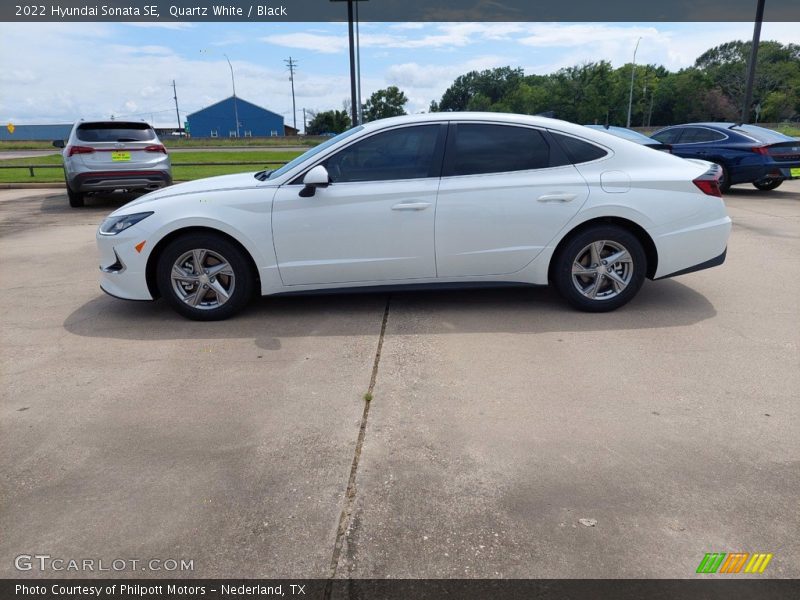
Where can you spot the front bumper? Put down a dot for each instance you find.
(123, 268)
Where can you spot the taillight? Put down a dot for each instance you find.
(156, 148)
(760, 150)
(708, 182)
(72, 150)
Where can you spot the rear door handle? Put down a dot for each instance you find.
(557, 197)
(411, 206)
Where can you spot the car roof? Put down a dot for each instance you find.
(623, 132)
(754, 132)
(493, 117)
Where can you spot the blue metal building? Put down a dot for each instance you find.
(36, 132)
(218, 120)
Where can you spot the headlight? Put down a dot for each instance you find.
(114, 225)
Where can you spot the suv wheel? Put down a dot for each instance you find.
(76, 199)
(600, 268)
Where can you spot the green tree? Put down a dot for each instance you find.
(385, 103)
(329, 121)
(493, 84)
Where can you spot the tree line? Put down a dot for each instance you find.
(712, 89)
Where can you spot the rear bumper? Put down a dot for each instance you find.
(93, 181)
(714, 262)
(692, 248)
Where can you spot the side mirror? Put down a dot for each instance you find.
(58, 143)
(315, 178)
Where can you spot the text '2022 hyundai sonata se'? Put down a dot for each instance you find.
(442, 198)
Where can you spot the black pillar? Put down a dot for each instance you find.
(751, 69)
(353, 96)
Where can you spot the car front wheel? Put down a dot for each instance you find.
(600, 268)
(768, 184)
(204, 277)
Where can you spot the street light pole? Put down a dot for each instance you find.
(235, 106)
(633, 72)
(751, 69)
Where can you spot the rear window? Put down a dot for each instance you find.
(115, 132)
(762, 134)
(579, 151)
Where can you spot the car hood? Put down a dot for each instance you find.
(237, 181)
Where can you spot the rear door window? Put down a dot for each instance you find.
(698, 135)
(480, 148)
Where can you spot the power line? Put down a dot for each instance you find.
(291, 64)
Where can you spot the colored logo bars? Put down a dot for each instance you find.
(720, 562)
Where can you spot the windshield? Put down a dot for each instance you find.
(313, 152)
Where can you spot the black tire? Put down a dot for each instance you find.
(239, 283)
(631, 268)
(724, 180)
(76, 199)
(765, 185)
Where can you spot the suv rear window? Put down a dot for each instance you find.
(115, 131)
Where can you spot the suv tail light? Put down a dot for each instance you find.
(763, 150)
(72, 150)
(156, 148)
(708, 182)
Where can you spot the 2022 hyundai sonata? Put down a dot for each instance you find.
(441, 198)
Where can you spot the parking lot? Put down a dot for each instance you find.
(508, 435)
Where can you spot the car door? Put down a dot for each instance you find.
(374, 222)
(506, 191)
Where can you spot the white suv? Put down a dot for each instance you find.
(103, 156)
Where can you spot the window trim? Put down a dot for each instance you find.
(438, 153)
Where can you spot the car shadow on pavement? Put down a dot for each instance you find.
(511, 310)
(748, 191)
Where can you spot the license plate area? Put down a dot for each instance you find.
(795, 172)
(120, 155)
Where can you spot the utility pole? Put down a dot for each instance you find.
(235, 106)
(292, 64)
(751, 68)
(358, 70)
(304, 120)
(177, 112)
(633, 72)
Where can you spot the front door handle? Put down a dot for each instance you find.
(411, 206)
(557, 197)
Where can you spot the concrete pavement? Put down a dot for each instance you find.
(500, 419)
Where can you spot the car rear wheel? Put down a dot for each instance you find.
(76, 199)
(768, 184)
(600, 268)
(205, 277)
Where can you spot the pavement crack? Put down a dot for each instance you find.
(350, 495)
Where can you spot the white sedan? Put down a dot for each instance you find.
(442, 198)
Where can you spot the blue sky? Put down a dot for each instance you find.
(58, 72)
